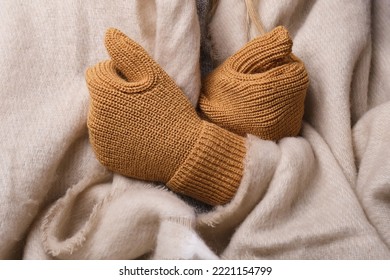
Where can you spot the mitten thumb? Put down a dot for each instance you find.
(129, 58)
(263, 53)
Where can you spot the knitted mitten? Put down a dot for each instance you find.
(141, 125)
(259, 90)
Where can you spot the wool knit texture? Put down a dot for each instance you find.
(324, 195)
(142, 125)
(259, 90)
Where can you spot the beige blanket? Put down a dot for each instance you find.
(324, 195)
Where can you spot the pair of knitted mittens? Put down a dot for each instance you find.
(141, 124)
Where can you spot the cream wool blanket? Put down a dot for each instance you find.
(324, 195)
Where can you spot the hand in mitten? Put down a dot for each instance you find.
(259, 90)
(141, 125)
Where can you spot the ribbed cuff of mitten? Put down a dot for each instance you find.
(213, 170)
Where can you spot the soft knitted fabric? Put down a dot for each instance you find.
(259, 90)
(297, 199)
(142, 126)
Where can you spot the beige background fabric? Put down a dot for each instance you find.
(324, 195)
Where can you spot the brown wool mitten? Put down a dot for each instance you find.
(259, 90)
(141, 125)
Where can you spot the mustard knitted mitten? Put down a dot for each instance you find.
(141, 125)
(259, 90)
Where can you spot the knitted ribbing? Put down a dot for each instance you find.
(259, 90)
(141, 125)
